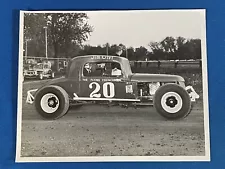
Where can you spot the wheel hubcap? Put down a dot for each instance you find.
(52, 102)
(171, 102)
(49, 103)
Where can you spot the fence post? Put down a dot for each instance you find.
(159, 64)
(175, 64)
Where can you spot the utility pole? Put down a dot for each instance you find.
(126, 53)
(26, 49)
(46, 42)
(107, 49)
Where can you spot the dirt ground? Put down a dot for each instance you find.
(114, 131)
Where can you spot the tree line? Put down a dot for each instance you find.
(169, 48)
(65, 34)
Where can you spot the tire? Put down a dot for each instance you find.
(172, 102)
(59, 104)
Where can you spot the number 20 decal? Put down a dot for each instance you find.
(106, 93)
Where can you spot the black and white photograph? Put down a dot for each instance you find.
(119, 85)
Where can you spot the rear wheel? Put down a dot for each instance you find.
(52, 102)
(172, 101)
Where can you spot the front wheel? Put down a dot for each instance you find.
(52, 102)
(172, 101)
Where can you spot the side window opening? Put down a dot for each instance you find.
(103, 69)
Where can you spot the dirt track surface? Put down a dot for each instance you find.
(114, 131)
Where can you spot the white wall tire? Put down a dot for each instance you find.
(172, 101)
(51, 102)
(52, 75)
(41, 76)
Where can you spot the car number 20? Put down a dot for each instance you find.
(108, 90)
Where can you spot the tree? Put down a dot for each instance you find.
(168, 44)
(66, 33)
(67, 30)
(169, 47)
(194, 48)
(131, 53)
(34, 41)
(84, 50)
(198, 48)
(157, 51)
(175, 48)
(141, 53)
(182, 50)
(113, 49)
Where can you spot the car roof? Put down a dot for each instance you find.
(98, 58)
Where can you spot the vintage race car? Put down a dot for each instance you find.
(108, 80)
(40, 71)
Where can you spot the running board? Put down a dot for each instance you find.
(105, 99)
(143, 104)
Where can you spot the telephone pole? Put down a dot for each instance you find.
(46, 42)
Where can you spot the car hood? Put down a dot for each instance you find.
(145, 77)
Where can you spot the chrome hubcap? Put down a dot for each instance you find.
(171, 102)
(49, 103)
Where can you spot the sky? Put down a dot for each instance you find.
(140, 27)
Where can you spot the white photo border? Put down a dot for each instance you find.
(207, 157)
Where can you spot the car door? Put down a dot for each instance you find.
(106, 87)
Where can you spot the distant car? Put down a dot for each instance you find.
(39, 71)
(85, 83)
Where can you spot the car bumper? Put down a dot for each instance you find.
(30, 76)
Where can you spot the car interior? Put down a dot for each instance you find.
(102, 69)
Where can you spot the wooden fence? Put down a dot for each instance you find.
(136, 64)
(167, 64)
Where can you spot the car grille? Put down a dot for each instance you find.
(30, 73)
